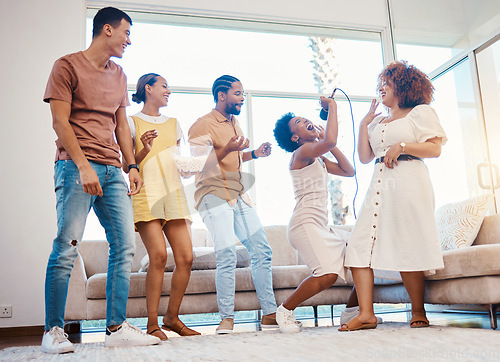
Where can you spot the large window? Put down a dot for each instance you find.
(488, 66)
(443, 44)
(283, 68)
(468, 163)
(426, 58)
(454, 173)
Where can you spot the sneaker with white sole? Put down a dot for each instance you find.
(129, 335)
(351, 312)
(225, 326)
(286, 320)
(268, 322)
(56, 341)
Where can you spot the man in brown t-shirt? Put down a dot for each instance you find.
(87, 93)
(225, 208)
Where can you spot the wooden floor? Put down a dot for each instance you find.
(457, 319)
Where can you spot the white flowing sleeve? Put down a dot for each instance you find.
(131, 124)
(180, 134)
(426, 124)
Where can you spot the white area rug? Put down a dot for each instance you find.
(389, 342)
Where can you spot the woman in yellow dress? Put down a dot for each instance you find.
(160, 207)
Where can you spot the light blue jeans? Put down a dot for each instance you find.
(224, 224)
(114, 210)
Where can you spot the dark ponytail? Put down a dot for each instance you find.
(140, 94)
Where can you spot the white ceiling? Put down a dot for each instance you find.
(451, 23)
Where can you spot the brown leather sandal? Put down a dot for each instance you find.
(181, 329)
(419, 321)
(161, 335)
(355, 325)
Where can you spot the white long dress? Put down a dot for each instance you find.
(321, 247)
(396, 229)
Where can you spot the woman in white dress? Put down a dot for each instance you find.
(396, 229)
(321, 247)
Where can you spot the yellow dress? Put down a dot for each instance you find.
(162, 195)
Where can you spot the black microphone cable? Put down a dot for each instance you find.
(353, 151)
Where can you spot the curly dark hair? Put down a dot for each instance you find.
(282, 133)
(411, 86)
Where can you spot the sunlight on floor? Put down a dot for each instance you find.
(456, 319)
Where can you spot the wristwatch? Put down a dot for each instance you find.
(134, 165)
(403, 145)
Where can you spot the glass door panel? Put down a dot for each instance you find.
(488, 67)
(462, 169)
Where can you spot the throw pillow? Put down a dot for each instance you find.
(203, 258)
(458, 223)
(168, 267)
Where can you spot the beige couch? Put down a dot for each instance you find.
(471, 276)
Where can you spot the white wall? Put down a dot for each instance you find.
(33, 34)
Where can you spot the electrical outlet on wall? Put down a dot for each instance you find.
(5, 311)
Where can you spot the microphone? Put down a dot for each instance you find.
(323, 114)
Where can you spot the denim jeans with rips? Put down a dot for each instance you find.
(114, 211)
(224, 223)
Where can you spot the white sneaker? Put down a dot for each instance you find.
(56, 341)
(286, 320)
(351, 312)
(129, 335)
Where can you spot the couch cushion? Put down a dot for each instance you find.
(458, 223)
(489, 232)
(203, 258)
(95, 256)
(287, 276)
(95, 253)
(283, 252)
(478, 260)
(96, 286)
(203, 281)
(201, 237)
(140, 251)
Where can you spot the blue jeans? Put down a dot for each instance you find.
(225, 223)
(114, 210)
